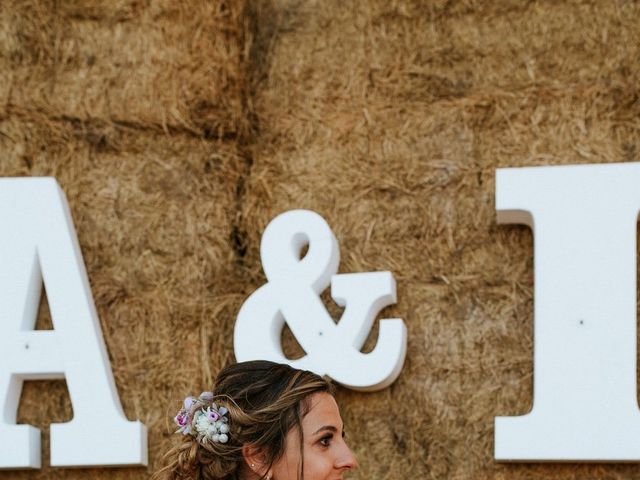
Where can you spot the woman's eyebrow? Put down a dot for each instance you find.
(330, 428)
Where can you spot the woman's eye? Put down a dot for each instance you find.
(326, 441)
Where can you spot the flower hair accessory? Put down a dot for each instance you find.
(203, 419)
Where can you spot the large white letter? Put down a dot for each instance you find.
(38, 243)
(584, 385)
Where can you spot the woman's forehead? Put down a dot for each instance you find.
(324, 412)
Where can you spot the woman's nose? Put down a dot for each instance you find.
(346, 459)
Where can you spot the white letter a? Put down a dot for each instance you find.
(38, 244)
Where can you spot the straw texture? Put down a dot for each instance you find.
(138, 110)
(178, 131)
(389, 119)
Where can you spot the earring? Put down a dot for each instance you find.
(253, 465)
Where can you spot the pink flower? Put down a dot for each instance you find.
(182, 419)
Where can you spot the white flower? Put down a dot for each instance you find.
(202, 424)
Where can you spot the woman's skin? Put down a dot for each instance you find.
(326, 455)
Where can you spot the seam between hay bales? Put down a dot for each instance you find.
(255, 59)
(39, 114)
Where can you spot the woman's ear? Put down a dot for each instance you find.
(255, 460)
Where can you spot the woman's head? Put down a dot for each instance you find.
(321, 447)
(282, 424)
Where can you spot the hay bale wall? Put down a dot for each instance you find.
(389, 119)
(174, 65)
(137, 109)
(178, 132)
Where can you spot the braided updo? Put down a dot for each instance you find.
(264, 400)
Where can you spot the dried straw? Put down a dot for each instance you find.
(179, 131)
(389, 119)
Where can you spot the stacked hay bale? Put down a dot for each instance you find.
(137, 108)
(389, 119)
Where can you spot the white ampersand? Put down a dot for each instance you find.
(292, 293)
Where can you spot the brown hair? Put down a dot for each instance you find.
(265, 401)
